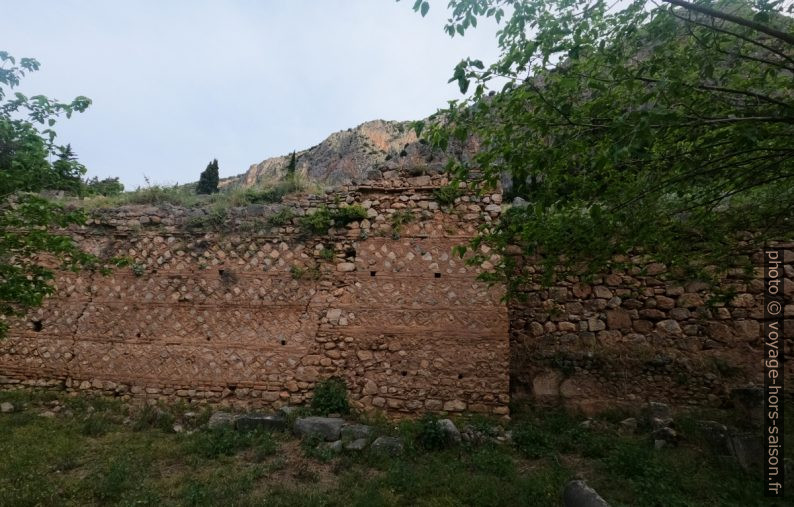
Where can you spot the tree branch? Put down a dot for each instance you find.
(777, 34)
(738, 36)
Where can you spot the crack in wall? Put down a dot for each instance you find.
(73, 359)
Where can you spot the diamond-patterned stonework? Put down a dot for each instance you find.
(252, 315)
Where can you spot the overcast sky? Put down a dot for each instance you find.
(177, 83)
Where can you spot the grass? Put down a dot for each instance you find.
(185, 195)
(97, 451)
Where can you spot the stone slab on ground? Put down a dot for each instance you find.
(356, 431)
(392, 446)
(329, 428)
(358, 444)
(266, 422)
(578, 494)
(220, 420)
(450, 430)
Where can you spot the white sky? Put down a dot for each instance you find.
(177, 83)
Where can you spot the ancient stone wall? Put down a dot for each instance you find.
(636, 335)
(247, 308)
(254, 311)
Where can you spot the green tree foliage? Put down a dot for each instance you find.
(659, 127)
(28, 249)
(208, 181)
(68, 171)
(292, 165)
(107, 187)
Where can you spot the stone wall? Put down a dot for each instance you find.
(250, 311)
(636, 335)
(245, 308)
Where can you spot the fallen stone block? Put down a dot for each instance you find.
(664, 437)
(328, 428)
(390, 446)
(356, 431)
(358, 444)
(450, 431)
(266, 422)
(748, 450)
(335, 446)
(220, 420)
(717, 436)
(287, 410)
(578, 494)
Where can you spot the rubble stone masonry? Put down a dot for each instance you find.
(637, 334)
(248, 309)
(251, 311)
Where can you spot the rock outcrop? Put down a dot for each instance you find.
(356, 154)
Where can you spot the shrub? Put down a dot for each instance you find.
(282, 217)
(154, 417)
(431, 436)
(275, 194)
(318, 222)
(106, 187)
(346, 214)
(321, 220)
(327, 254)
(447, 194)
(156, 194)
(138, 269)
(296, 272)
(215, 218)
(95, 426)
(400, 218)
(330, 397)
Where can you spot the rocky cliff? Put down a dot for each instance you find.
(355, 154)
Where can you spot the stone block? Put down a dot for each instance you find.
(389, 446)
(578, 494)
(618, 319)
(263, 422)
(220, 420)
(328, 428)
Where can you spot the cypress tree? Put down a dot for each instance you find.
(208, 181)
(292, 165)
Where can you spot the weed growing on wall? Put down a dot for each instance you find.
(296, 272)
(323, 219)
(400, 218)
(282, 217)
(446, 195)
(318, 222)
(347, 214)
(327, 254)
